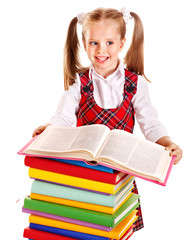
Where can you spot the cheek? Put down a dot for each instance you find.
(93, 49)
(114, 52)
(90, 51)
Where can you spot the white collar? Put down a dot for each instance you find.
(119, 71)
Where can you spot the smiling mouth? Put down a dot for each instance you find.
(102, 59)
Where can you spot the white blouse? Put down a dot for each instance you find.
(108, 93)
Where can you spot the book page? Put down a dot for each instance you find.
(68, 139)
(54, 139)
(133, 153)
(118, 146)
(147, 158)
(90, 138)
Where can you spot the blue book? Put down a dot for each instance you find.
(83, 164)
(67, 233)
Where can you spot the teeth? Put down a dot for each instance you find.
(101, 58)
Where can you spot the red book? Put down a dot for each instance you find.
(73, 170)
(41, 235)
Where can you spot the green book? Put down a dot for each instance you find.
(95, 217)
(54, 190)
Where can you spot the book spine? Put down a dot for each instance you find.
(71, 181)
(69, 169)
(64, 219)
(88, 206)
(70, 212)
(55, 190)
(63, 192)
(116, 232)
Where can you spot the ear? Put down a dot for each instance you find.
(122, 44)
(84, 43)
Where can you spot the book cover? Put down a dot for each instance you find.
(68, 220)
(41, 235)
(85, 164)
(68, 233)
(65, 219)
(89, 206)
(78, 182)
(103, 219)
(58, 191)
(115, 233)
(73, 170)
(77, 235)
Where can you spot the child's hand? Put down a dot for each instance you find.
(39, 130)
(175, 150)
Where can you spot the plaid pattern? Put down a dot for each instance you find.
(120, 118)
(138, 224)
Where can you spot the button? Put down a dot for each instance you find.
(130, 88)
(86, 88)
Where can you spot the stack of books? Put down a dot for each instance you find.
(72, 200)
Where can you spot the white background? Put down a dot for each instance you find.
(31, 61)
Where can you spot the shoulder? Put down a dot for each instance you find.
(142, 94)
(84, 77)
(130, 75)
(142, 82)
(135, 77)
(73, 89)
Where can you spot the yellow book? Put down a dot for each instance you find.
(89, 206)
(78, 182)
(115, 233)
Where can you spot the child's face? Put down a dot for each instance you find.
(102, 43)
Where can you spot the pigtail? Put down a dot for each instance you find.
(71, 61)
(134, 58)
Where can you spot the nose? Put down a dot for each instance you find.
(101, 48)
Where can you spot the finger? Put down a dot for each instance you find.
(177, 160)
(35, 133)
(172, 147)
(176, 152)
(38, 130)
(178, 155)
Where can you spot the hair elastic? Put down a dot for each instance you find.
(80, 17)
(126, 15)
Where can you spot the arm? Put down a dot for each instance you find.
(146, 114)
(65, 114)
(147, 118)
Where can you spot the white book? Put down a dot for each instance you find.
(97, 144)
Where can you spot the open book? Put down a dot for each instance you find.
(97, 144)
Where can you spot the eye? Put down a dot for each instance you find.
(93, 43)
(109, 43)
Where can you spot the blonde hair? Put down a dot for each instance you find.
(134, 59)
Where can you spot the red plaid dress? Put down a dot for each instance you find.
(117, 118)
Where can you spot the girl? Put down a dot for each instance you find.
(107, 93)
